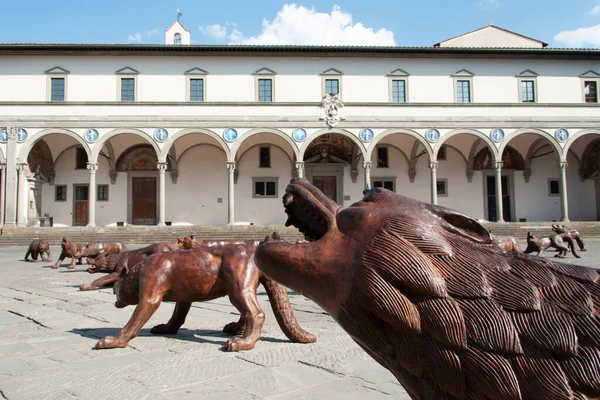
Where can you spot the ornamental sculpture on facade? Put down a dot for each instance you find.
(332, 104)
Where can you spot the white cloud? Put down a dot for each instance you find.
(595, 10)
(217, 31)
(153, 32)
(580, 37)
(298, 25)
(137, 37)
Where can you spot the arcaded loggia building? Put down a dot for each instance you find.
(491, 123)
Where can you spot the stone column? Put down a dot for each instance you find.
(10, 175)
(23, 197)
(564, 196)
(2, 191)
(92, 167)
(433, 166)
(231, 193)
(162, 169)
(499, 212)
(300, 169)
(367, 166)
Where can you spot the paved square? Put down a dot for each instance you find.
(48, 329)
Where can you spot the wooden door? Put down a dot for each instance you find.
(80, 214)
(327, 185)
(144, 201)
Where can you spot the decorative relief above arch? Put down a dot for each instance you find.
(510, 157)
(141, 157)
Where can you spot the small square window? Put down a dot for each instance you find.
(386, 183)
(332, 86)
(197, 90)
(553, 187)
(265, 157)
(81, 158)
(382, 157)
(127, 89)
(60, 193)
(264, 187)
(442, 187)
(265, 90)
(102, 193)
(57, 89)
(590, 91)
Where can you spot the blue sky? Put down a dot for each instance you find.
(385, 22)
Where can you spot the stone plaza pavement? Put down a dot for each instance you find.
(48, 329)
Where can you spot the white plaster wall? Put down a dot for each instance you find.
(202, 181)
(355, 88)
(354, 189)
(161, 87)
(115, 209)
(463, 196)
(420, 188)
(261, 210)
(490, 37)
(495, 89)
(306, 88)
(582, 195)
(531, 199)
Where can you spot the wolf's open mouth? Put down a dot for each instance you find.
(308, 209)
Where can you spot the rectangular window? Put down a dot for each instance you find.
(81, 192)
(590, 91)
(81, 158)
(382, 157)
(442, 153)
(60, 193)
(102, 193)
(196, 89)
(399, 91)
(442, 187)
(553, 187)
(265, 157)
(332, 86)
(528, 91)
(57, 89)
(264, 187)
(384, 183)
(463, 91)
(265, 90)
(127, 89)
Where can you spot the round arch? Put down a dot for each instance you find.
(59, 156)
(449, 146)
(401, 152)
(2, 159)
(24, 153)
(537, 132)
(98, 145)
(171, 141)
(200, 145)
(257, 131)
(473, 132)
(343, 132)
(389, 132)
(579, 134)
(258, 145)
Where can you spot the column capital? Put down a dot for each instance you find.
(562, 164)
(231, 166)
(162, 167)
(299, 164)
(367, 164)
(434, 165)
(21, 168)
(92, 167)
(2, 167)
(11, 132)
(498, 165)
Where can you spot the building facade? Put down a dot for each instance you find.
(101, 135)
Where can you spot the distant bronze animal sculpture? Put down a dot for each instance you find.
(507, 243)
(41, 248)
(539, 245)
(562, 231)
(202, 274)
(422, 289)
(114, 263)
(93, 250)
(72, 250)
(191, 242)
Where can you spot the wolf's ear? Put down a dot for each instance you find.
(179, 239)
(463, 225)
(192, 237)
(124, 272)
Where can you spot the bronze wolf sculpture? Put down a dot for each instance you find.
(539, 245)
(563, 232)
(422, 289)
(39, 248)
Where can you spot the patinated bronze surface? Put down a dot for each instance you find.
(41, 248)
(114, 263)
(72, 250)
(539, 245)
(564, 232)
(422, 289)
(507, 243)
(93, 250)
(191, 242)
(202, 274)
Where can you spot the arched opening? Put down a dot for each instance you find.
(584, 193)
(177, 38)
(41, 171)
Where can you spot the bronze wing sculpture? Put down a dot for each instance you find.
(423, 290)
